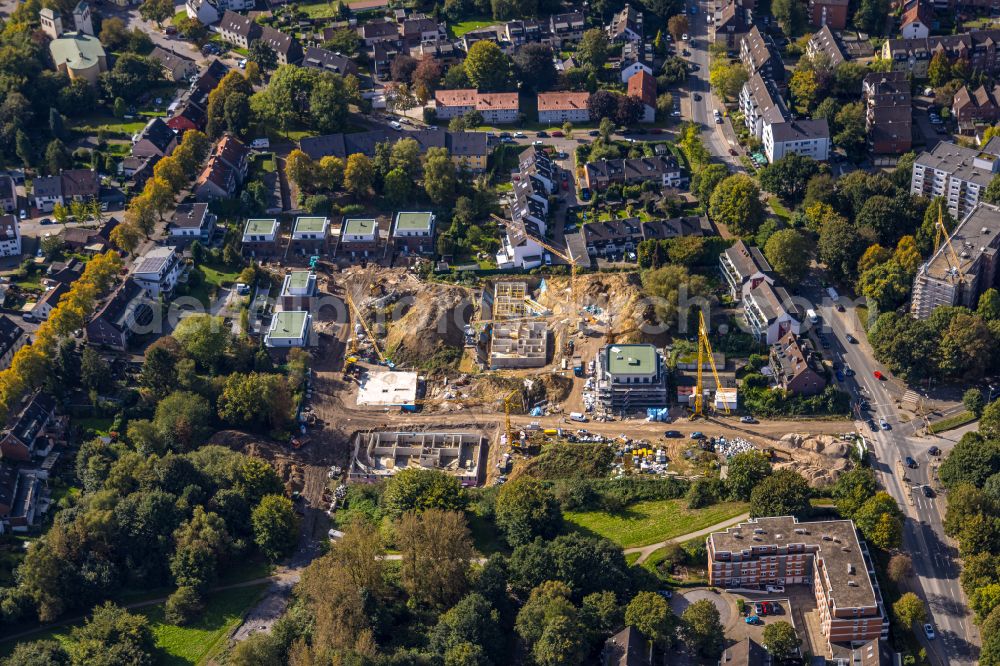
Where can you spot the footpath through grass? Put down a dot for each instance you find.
(643, 523)
(181, 646)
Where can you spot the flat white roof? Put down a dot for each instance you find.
(388, 389)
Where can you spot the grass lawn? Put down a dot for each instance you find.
(780, 210)
(643, 523)
(120, 126)
(955, 421)
(462, 27)
(264, 163)
(318, 9)
(181, 646)
(98, 424)
(178, 16)
(220, 276)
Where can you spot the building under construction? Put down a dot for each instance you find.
(516, 341)
(380, 455)
(630, 378)
(962, 267)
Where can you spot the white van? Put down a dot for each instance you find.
(577, 416)
(813, 317)
(396, 126)
(260, 144)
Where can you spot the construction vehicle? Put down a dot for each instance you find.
(704, 350)
(942, 232)
(364, 324)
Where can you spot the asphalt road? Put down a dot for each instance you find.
(934, 555)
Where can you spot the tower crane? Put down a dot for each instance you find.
(559, 253)
(942, 232)
(704, 349)
(361, 318)
(508, 401)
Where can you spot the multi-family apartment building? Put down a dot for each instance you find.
(976, 106)
(661, 169)
(828, 13)
(913, 56)
(560, 107)
(759, 55)
(888, 112)
(826, 43)
(959, 272)
(535, 181)
(956, 173)
(10, 236)
(769, 313)
(566, 27)
(761, 104)
(630, 377)
(825, 555)
(495, 108)
(744, 267)
(808, 137)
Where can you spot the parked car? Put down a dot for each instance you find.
(24, 214)
(934, 451)
(853, 340)
(45, 220)
(542, 135)
(840, 375)
(696, 435)
(517, 135)
(697, 97)
(776, 589)
(760, 609)
(910, 462)
(672, 434)
(872, 425)
(747, 419)
(929, 631)
(849, 371)
(752, 619)
(885, 424)
(558, 133)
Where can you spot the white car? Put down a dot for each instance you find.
(395, 125)
(929, 631)
(684, 36)
(776, 589)
(24, 214)
(884, 424)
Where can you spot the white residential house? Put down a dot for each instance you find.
(769, 313)
(289, 328)
(205, 12)
(44, 306)
(804, 137)
(46, 193)
(158, 271)
(192, 221)
(10, 236)
(560, 107)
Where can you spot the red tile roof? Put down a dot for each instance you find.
(643, 86)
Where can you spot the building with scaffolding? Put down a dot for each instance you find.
(380, 455)
(517, 341)
(630, 377)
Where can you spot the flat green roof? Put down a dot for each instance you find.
(289, 324)
(413, 221)
(78, 50)
(631, 359)
(261, 226)
(359, 226)
(310, 224)
(298, 279)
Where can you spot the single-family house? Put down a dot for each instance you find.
(155, 139)
(915, 23)
(379, 32)
(310, 235)
(566, 27)
(127, 312)
(298, 290)
(260, 237)
(80, 185)
(238, 29)
(642, 86)
(8, 195)
(285, 46)
(413, 232)
(359, 237)
(175, 66)
(289, 328)
(10, 236)
(158, 271)
(191, 221)
(326, 60)
(46, 193)
(27, 435)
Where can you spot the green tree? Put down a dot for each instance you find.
(783, 493)
(789, 252)
(262, 54)
(183, 606)
(939, 69)
(909, 609)
(746, 471)
(780, 638)
(156, 10)
(359, 174)
(183, 420)
(789, 176)
(677, 26)
(727, 78)
(487, 66)
(649, 613)
(989, 305)
(472, 621)
(562, 643)
(736, 204)
(525, 509)
(275, 526)
(702, 630)
(704, 181)
(881, 521)
(885, 286)
(112, 635)
(204, 338)
(840, 246)
(804, 88)
(534, 68)
(256, 398)
(593, 48)
(396, 187)
(548, 600)
(852, 490)
(418, 490)
(38, 653)
(974, 401)
(791, 15)
(900, 568)
(95, 371)
(57, 157)
(668, 286)
(436, 549)
(440, 178)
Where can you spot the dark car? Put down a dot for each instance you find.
(593, 133)
(872, 425)
(911, 463)
(853, 340)
(934, 451)
(541, 135)
(928, 491)
(673, 434)
(697, 97)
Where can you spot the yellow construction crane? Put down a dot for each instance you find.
(705, 349)
(559, 253)
(361, 318)
(942, 232)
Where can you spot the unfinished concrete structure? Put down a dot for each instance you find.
(380, 455)
(515, 341)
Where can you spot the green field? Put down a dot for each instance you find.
(181, 646)
(462, 27)
(651, 522)
(120, 126)
(318, 9)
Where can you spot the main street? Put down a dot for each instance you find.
(936, 571)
